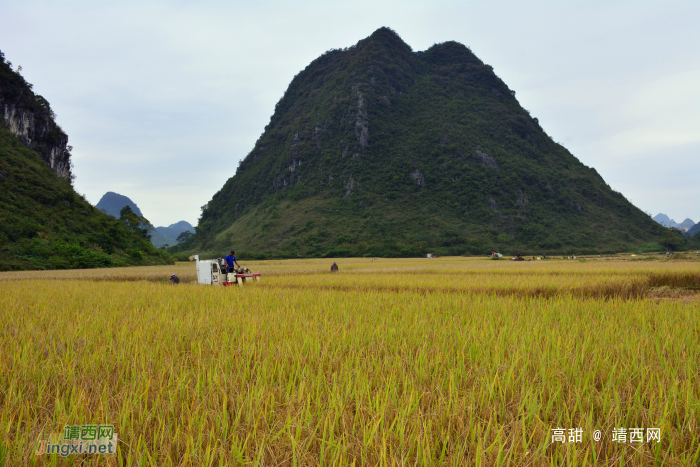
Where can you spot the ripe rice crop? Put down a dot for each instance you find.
(395, 362)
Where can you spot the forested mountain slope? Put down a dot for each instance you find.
(380, 150)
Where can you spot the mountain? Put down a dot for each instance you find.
(159, 240)
(687, 223)
(44, 223)
(694, 230)
(378, 150)
(664, 220)
(174, 230)
(112, 203)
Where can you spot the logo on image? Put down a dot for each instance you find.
(80, 439)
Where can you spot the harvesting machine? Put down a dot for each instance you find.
(216, 272)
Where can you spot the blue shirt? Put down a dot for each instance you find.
(229, 260)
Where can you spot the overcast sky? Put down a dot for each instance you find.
(161, 100)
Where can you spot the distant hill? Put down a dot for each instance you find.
(664, 220)
(379, 150)
(112, 204)
(688, 223)
(174, 230)
(160, 240)
(694, 230)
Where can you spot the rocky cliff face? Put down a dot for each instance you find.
(41, 134)
(29, 116)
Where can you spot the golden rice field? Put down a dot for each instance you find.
(452, 361)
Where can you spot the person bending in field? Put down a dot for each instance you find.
(174, 279)
(334, 267)
(231, 260)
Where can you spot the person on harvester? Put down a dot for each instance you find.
(231, 260)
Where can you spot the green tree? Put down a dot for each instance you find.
(672, 239)
(184, 236)
(138, 224)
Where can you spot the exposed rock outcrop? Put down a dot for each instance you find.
(29, 116)
(361, 129)
(41, 134)
(418, 177)
(487, 160)
(349, 187)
